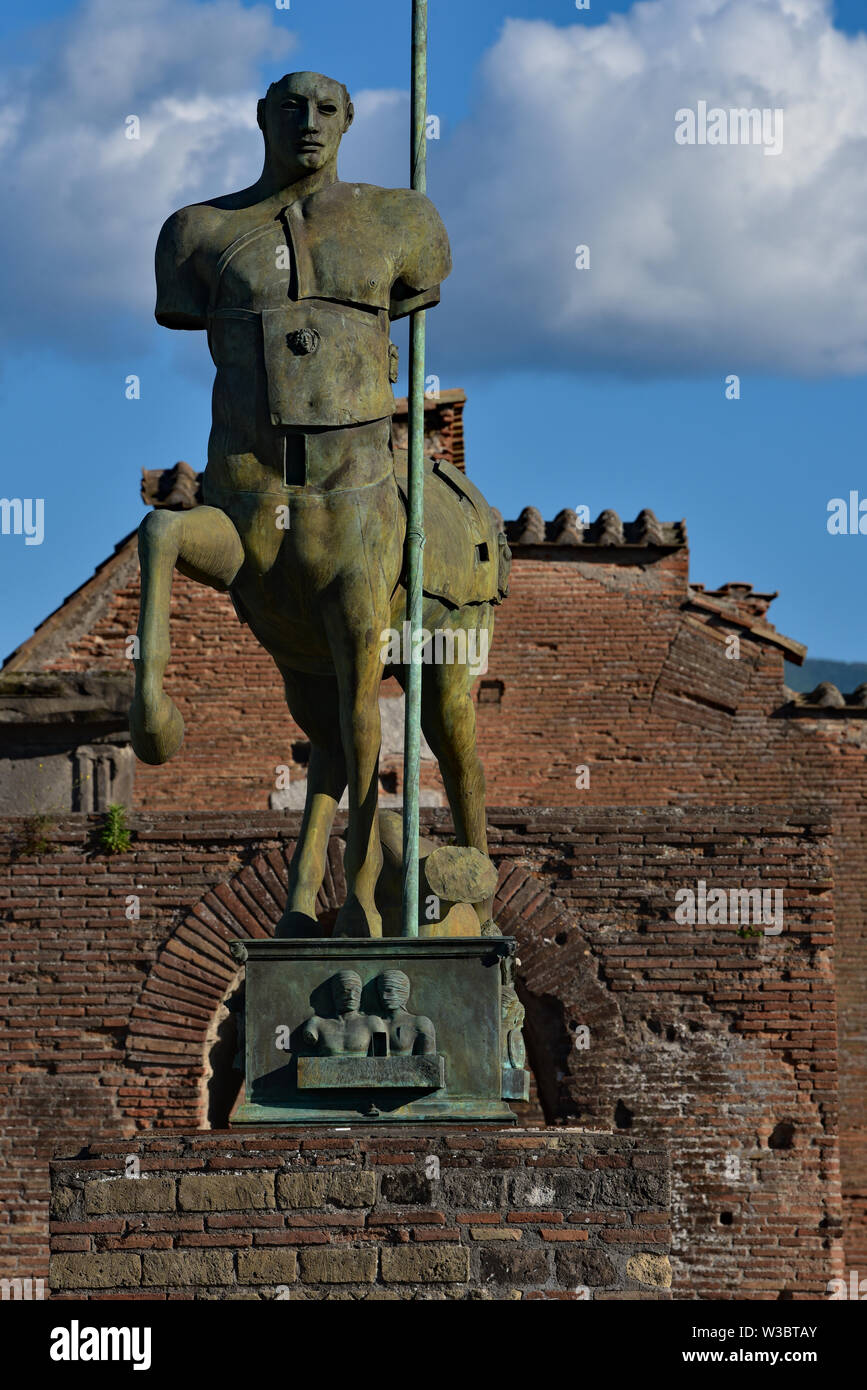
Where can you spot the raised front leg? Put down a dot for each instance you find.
(205, 546)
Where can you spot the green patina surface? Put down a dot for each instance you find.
(308, 1000)
(374, 1073)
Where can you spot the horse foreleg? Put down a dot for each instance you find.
(359, 679)
(314, 706)
(204, 545)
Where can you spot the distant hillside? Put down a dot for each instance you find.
(846, 675)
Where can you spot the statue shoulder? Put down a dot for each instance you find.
(188, 230)
(424, 257)
(407, 202)
(182, 246)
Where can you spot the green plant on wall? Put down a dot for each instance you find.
(115, 836)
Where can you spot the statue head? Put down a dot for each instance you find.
(346, 992)
(303, 117)
(393, 988)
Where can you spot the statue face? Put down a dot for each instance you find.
(394, 989)
(346, 992)
(305, 118)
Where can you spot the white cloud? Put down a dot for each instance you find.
(702, 257)
(87, 202)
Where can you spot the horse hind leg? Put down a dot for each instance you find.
(205, 546)
(359, 677)
(449, 724)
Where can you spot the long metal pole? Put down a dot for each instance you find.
(415, 537)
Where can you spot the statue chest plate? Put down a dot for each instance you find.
(326, 363)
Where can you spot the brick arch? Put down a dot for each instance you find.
(172, 1023)
(560, 984)
(167, 1040)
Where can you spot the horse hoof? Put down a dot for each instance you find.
(157, 733)
(353, 921)
(298, 926)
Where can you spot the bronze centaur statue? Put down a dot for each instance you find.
(295, 280)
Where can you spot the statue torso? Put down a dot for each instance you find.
(296, 297)
(351, 1034)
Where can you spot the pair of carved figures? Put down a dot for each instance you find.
(348, 1031)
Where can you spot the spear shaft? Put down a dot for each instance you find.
(415, 537)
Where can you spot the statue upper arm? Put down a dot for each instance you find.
(425, 260)
(426, 1043)
(182, 295)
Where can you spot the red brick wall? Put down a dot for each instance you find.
(602, 664)
(721, 1045)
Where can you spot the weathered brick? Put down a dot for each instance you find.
(495, 1233)
(534, 1218)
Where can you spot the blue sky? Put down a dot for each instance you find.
(614, 397)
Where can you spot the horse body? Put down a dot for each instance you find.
(316, 573)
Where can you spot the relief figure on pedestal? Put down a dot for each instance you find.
(408, 1034)
(348, 1032)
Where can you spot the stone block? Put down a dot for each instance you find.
(274, 1266)
(338, 1266)
(337, 1188)
(62, 1202)
(107, 1269)
(473, 1189)
(590, 1268)
(563, 1189)
(630, 1188)
(441, 1264)
(129, 1195)
(187, 1268)
(226, 1192)
(650, 1269)
(505, 1265)
(406, 1188)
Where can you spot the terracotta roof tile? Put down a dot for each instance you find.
(739, 595)
(606, 531)
(826, 698)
